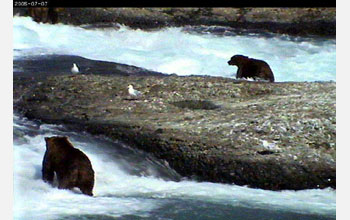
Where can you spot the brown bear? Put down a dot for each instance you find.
(252, 68)
(72, 167)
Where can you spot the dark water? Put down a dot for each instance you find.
(186, 209)
(131, 181)
(48, 65)
(170, 196)
(151, 181)
(230, 31)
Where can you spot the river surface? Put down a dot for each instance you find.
(131, 184)
(183, 51)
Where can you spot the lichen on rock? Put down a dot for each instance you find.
(267, 135)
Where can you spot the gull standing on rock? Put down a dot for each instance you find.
(133, 92)
(74, 69)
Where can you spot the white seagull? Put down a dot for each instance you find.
(133, 92)
(74, 69)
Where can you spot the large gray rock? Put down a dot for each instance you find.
(266, 135)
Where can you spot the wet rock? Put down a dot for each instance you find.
(269, 135)
(196, 104)
(294, 21)
(45, 15)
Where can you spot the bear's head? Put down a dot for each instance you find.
(238, 60)
(56, 141)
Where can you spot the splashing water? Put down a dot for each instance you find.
(173, 50)
(130, 182)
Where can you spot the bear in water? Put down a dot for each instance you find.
(251, 68)
(72, 167)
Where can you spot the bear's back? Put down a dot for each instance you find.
(258, 68)
(60, 149)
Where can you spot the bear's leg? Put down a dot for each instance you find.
(68, 181)
(239, 73)
(48, 175)
(86, 189)
(65, 184)
(86, 182)
(47, 170)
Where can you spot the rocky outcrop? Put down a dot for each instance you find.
(267, 135)
(295, 21)
(45, 15)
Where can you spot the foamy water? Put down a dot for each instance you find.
(131, 184)
(172, 50)
(119, 191)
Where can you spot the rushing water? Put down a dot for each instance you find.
(173, 50)
(131, 184)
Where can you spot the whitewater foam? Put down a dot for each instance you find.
(118, 191)
(172, 50)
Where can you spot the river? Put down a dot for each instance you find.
(131, 184)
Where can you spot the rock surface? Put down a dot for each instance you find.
(295, 21)
(267, 135)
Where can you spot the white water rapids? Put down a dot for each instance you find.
(131, 184)
(172, 50)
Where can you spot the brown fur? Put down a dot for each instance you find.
(72, 167)
(252, 68)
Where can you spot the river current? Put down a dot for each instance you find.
(131, 184)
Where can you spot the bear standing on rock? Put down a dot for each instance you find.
(251, 68)
(72, 167)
